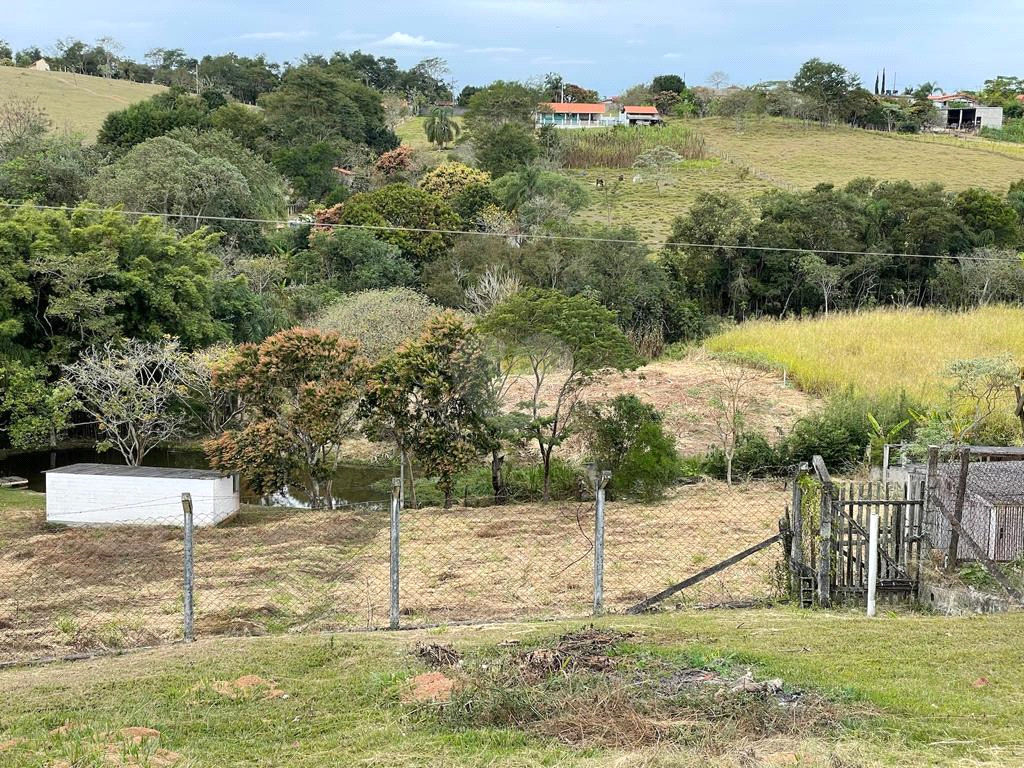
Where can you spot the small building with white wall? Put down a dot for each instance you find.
(113, 494)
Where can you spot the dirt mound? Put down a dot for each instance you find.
(429, 688)
(247, 686)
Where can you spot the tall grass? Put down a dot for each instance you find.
(880, 351)
(1012, 130)
(619, 147)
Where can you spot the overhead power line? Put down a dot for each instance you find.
(524, 236)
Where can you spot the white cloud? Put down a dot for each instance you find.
(274, 35)
(495, 49)
(402, 40)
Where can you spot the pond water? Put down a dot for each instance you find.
(353, 484)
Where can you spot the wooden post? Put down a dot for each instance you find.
(189, 581)
(958, 510)
(796, 548)
(825, 544)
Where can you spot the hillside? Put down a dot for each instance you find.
(77, 103)
(877, 351)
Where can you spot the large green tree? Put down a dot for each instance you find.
(567, 339)
(827, 84)
(298, 389)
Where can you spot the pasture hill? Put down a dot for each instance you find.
(75, 103)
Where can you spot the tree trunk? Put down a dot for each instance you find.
(547, 474)
(412, 484)
(497, 481)
(728, 467)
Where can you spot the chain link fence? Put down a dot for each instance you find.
(71, 590)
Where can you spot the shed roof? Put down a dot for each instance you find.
(120, 470)
(642, 110)
(561, 106)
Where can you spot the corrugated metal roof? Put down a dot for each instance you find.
(120, 470)
(557, 106)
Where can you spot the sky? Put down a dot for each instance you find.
(606, 45)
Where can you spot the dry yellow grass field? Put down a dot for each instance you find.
(67, 590)
(884, 350)
(75, 103)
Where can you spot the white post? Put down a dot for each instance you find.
(872, 562)
(885, 465)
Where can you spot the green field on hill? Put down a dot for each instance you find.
(878, 351)
(76, 103)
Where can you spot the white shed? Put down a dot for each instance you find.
(112, 494)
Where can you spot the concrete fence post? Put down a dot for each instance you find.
(599, 490)
(189, 619)
(396, 505)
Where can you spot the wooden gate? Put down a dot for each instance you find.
(900, 511)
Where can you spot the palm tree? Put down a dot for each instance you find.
(440, 127)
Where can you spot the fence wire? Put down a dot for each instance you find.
(79, 589)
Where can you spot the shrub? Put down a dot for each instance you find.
(379, 320)
(449, 179)
(626, 437)
(754, 457)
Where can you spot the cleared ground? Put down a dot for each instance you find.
(883, 350)
(76, 103)
(69, 590)
(902, 689)
(683, 391)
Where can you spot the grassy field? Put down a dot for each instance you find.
(883, 350)
(898, 690)
(802, 155)
(77, 103)
(72, 590)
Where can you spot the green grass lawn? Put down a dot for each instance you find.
(803, 154)
(877, 351)
(77, 103)
(908, 689)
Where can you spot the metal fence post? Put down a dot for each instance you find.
(186, 506)
(600, 485)
(396, 503)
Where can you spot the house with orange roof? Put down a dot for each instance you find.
(604, 114)
(964, 112)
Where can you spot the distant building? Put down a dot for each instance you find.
(42, 65)
(641, 115)
(604, 114)
(963, 112)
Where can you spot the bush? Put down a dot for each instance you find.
(754, 457)
(626, 437)
(522, 484)
(379, 320)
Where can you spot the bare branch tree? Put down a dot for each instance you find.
(130, 389)
(731, 402)
(494, 286)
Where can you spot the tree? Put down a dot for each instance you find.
(449, 179)
(380, 320)
(718, 79)
(466, 94)
(440, 127)
(626, 437)
(131, 388)
(352, 260)
(659, 161)
(993, 220)
(298, 392)
(53, 169)
(827, 84)
(503, 149)
(502, 102)
(416, 221)
(731, 401)
(673, 83)
(827, 277)
(21, 120)
(154, 117)
(36, 413)
(571, 338)
(437, 386)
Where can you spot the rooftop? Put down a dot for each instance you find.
(642, 110)
(562, 106)
(998, 482)
(120, 470)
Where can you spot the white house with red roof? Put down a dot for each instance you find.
(605, 114)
